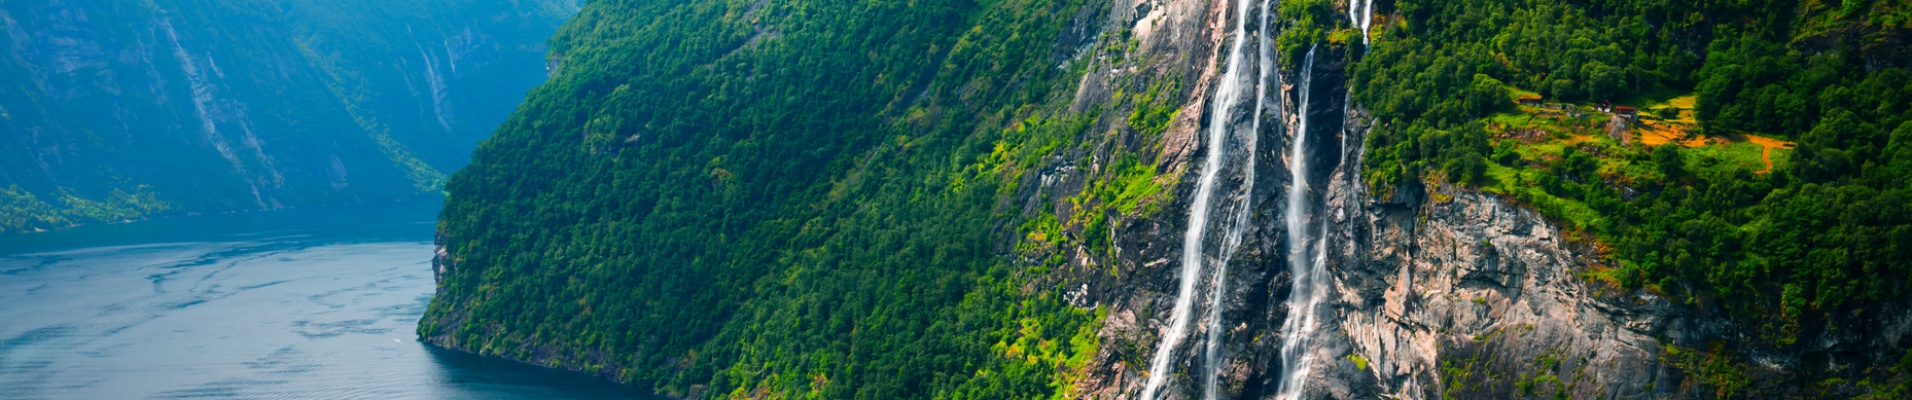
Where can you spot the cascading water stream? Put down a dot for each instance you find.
(203, 107)
(1228, 96)
(1211, 365)
(1304, 256)
(436, 84)
(1361, 15)
(1367, 20)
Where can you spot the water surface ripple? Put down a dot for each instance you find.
(289, 304)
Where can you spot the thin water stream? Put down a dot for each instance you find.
(1306, 264)
(1225, 147)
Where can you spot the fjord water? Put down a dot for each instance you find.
(289, 304)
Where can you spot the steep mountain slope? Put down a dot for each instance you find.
(1177, 200)
(775, 196)
(127, 109)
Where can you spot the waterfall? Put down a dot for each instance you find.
(204, 108)
(1264, 68)
(1367, 20)
(202, 97)
(1361, 16)
(1227, 97)
(1304, 256)
(437, 85)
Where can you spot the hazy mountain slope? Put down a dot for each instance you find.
(126, 109)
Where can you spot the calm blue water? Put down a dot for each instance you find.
(289, 304)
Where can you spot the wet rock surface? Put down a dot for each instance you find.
(1461, 293)
(1435, 290)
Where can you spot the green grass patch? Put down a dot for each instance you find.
(1656, 96)
(1512, 119)
(1718, 158)
(1782, 159)
(1513, 183)
(1612, 276)
(1133, 185)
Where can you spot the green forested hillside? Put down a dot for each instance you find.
(115, 110)
(783, 196)
(1818, 240)
(791, 198)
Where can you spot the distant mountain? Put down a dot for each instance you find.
(114, 110)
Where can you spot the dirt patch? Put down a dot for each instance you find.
(1655, 133)
(1766, 153)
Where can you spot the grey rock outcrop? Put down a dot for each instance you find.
(1435, 291)
(1460, 293)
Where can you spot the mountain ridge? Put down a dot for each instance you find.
(131, 110)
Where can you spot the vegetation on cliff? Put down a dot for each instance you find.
(789, 198)
(1818, 239)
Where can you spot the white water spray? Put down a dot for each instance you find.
(436, 83)
(1211, 365)
(1228, 96)
(1361, 15)
(1304, 257)
(203, 107)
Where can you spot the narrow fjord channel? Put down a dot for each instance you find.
(291, 304)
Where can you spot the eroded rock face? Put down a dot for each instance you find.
(1141, 292)
(1450, 292)
(1176, 40)
(1461, 293)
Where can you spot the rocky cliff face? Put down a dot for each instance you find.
(1460, 293)
(1141, 294)
(1431, 290)
(1434, 290)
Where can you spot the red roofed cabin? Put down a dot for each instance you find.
(1627, 112)
(1531, 100)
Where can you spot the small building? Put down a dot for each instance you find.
(1628, 112)
(1530, 100)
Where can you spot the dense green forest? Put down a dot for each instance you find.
(789, 197)
(117, 110)
(1820, 239)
